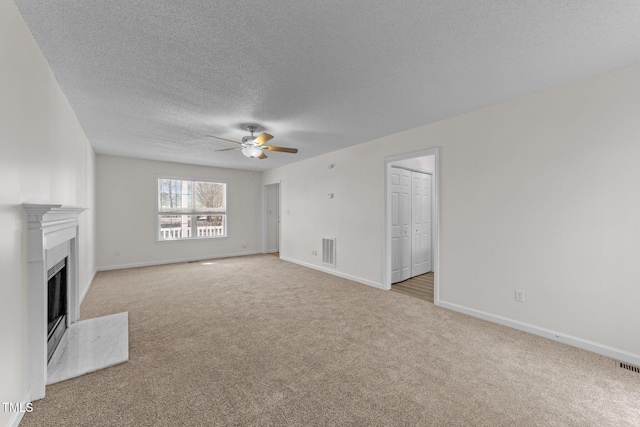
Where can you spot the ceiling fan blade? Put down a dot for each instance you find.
(229, 149)
(283, 149)
(262, 138)
(262, 156)
(224, 139)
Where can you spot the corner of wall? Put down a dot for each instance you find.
(88, 285)
(339, 274)
(24, 405)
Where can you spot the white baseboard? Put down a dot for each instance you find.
(16, 417)
(174, 261)
(583, 344)
(336, 273)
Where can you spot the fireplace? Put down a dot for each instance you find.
(56, 305)
(52, 248)
(53, 297)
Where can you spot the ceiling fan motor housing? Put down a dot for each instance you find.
(248, 139)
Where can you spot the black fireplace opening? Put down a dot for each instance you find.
(56, 305)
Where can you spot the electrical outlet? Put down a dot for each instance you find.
(519, 295)
(244, 244)
(117, 252)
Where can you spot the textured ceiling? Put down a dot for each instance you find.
(150, 78)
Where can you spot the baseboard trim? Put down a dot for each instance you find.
(16, 417)
(583, 344)
(336, 273)
(174, 261)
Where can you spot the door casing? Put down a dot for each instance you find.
(435, 249)
(265, 216)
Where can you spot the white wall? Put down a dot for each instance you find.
(539, 194)
(127, 199)
(353, 215)
(44, 158)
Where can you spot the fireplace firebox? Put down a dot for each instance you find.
(56, 305)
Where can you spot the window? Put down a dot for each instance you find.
(189, 209)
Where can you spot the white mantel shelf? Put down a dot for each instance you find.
(50, 214)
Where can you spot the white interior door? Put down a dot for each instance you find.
(396, 228)
(420, 223)
(427, 223)
(405, 218)
(410, 198)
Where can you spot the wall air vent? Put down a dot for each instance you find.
(329, 251)
(629, 367)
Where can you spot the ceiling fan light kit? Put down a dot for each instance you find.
(253, 146)
(252, 152)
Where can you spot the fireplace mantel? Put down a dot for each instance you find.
(49, 214)
(52, 235)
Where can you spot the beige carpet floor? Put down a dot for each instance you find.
(256, 341)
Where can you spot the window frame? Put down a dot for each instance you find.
(193, 214)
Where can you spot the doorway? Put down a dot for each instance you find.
(410, 195)
(411, 239)
(271, 218)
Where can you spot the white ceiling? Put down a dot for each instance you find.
(150, 78)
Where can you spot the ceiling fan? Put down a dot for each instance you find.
(253, 146)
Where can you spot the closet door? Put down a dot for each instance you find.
(405, 216)
(420, 223)
(396, 225)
